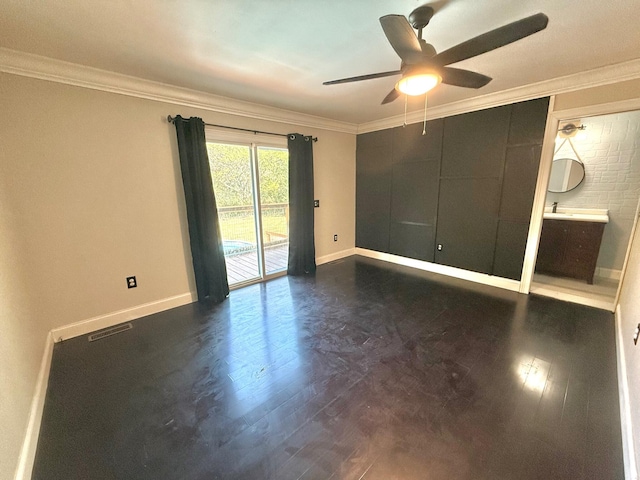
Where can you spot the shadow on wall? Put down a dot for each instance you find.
(21, 343)
(610, 150)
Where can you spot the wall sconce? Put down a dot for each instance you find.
(570, 130)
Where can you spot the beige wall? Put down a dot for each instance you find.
(91, 193)
(598, 95)
(22, 341)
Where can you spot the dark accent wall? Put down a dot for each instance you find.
(373, 189)
(472, 162)
(466, 186)
(397, 177)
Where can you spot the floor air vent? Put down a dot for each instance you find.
(107, 332)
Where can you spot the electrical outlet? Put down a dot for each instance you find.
(131, 282)
(316, 203)
(335, 238)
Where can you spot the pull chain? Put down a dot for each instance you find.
(424, 127)
(406, 99)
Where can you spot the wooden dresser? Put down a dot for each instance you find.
(569, 248)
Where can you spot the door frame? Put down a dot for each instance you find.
(554, 117)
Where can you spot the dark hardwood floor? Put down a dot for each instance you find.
(363, 371)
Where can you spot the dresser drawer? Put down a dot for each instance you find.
(570, 248)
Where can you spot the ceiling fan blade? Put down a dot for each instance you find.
(494, 39)
(391, 96)
(402, 38)
(463, 78)
(363, 77)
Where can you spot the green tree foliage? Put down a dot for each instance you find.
(274, 175)
(231, 173)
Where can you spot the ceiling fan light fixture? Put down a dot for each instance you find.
(418, 83)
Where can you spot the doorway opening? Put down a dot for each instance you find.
(591, 209)
(250, 181)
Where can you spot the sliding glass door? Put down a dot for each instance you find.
(273, 169)
(252, 193)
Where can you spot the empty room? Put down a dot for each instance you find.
(319, 240)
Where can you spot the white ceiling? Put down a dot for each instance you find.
(278, 52)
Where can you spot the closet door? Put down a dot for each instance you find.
(467, 223)
(373, 190)
(414, 198)
(524, 147)
(518, 188)
(473, 157)
(414, 190)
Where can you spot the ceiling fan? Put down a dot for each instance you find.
(422, 68)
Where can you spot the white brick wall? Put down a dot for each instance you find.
(611, 153)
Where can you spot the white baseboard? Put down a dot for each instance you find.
(335, 256)
(628, 449)
(573, 298)
(476, 277)
(608, 273)
(30, 443)
(114, 318)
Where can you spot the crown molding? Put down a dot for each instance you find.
(591, 78)
(45, 68)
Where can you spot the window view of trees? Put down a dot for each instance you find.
(231, 170)
(231, 174)
(232, 182)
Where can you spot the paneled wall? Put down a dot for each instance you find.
(397, 177)
(461, 195)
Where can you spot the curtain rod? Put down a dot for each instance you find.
(171, 119)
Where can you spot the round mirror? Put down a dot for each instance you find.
(566, 174)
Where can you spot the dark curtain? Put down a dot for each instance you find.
(202, 213)
(302, 251)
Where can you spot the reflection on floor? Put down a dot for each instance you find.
(601, 294)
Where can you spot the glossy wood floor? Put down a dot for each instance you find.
(363, 371)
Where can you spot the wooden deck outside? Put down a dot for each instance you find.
(244, 266)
